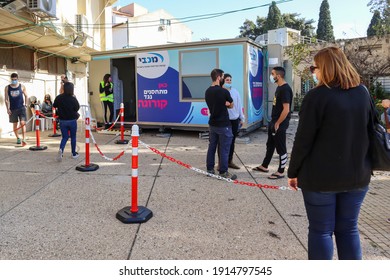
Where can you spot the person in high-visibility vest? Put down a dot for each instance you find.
(106, 90)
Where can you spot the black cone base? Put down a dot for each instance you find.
(127, 217)
(85, 168)
(37, 148)
(54, 135)
(124, 141)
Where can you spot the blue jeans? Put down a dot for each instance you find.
(221, 136)
(338, 213)
(68, 127)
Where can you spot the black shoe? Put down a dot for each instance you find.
(210, 172)
(233, 165)
(228, 175)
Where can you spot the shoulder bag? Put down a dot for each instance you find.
(379, 149)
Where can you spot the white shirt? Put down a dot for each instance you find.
(236, 112)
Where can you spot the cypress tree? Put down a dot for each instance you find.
(375, 27)
(274, 18)
(325, 28)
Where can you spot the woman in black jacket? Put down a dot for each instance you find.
(67, 107)
(329, 159)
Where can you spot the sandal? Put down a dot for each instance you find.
(275, 176)
(260, 169)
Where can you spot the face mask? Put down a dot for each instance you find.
(222, 82)
(14, 82)
(315, 78)
(228, 86)
(272, 79)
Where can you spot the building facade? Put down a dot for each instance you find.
(41, 40)
(135, 26)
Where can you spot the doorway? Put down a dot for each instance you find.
(126, 74)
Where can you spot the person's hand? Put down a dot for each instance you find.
(227, 103)
(9, 112)
(293, 183)
(276, 126)
(386, 103)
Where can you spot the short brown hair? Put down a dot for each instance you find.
(215, 74)
(336, 70)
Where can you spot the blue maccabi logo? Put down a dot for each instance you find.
(253, 54)
(151, 58)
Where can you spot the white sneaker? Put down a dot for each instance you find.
(76, 155)
(59, 156)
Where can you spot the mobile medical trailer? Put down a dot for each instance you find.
(164, 86)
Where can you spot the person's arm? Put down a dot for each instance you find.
(6, 100)
(55, 103)
(229, 104)
(76, 104)
(310, 117)
(283, 115)
(101, 89)
(108, 89)
(61, 91)
(25, 95)
(229, 100)
(241, 108)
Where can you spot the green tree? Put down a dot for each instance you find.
(252, 30)
(274, 18)
(375, 28)
(293, 21)
(325, 28)
(383, 6)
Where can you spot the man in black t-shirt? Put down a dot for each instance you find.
(280, 118)
(218, 99)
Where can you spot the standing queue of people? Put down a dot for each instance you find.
(329, 158)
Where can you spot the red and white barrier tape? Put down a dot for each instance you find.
(103, 155)
(250, 184)
(4, 133)
(113, 124)
(46, 117)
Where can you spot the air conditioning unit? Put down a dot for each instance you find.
(82, 24)
(42, 8)
(14, 6)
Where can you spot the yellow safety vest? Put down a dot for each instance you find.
(103, 96)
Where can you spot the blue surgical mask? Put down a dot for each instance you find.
(14, 82)
(229, 86)
(315, 78)
(272, 79)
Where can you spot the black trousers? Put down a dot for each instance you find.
(108, 105)
(235, 130)
(276, 141)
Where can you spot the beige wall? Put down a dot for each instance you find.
(149, 34)
(101, 67)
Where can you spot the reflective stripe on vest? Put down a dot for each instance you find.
(103, 96)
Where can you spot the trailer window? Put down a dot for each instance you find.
(195, 68)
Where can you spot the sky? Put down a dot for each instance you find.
(350, 18)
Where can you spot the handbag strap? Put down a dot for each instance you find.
(387, 119)
(374, 111)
